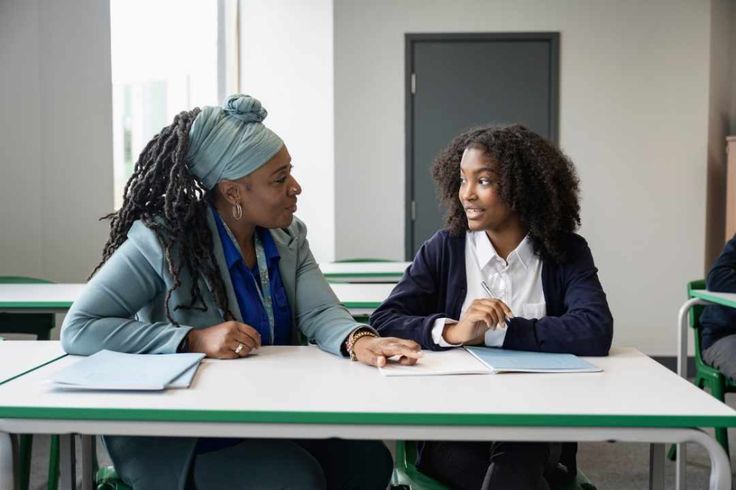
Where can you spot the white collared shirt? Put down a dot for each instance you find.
(516, 281)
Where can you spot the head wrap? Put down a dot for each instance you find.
(230, 142)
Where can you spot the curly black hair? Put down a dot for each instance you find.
(536, 180)
(169, 200)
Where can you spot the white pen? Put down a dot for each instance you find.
(489, 293)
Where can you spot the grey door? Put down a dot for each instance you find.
(457, 81)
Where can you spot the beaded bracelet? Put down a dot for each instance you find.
(354, 338)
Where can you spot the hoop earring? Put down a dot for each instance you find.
(237, 211)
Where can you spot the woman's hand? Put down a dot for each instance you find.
(224, 340)
(375, 350)
(482, 315)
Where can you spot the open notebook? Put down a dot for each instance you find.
(108, 370)
(489, 360)
(504, 360)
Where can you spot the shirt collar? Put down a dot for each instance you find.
(485, 252)
(230, 247)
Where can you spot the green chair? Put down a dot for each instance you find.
(407, 475)
(107, 479)
(40, 325)
(706, 376)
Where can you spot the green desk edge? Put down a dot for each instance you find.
(337, 275)
(31, 305)
(705, 295)
(361, 418)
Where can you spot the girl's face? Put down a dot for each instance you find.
(480, 196)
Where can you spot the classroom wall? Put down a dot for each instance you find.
(55, 136)
(721, 121)
(634, 102)
(286, 62)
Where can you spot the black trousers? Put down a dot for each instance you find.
(486, 465)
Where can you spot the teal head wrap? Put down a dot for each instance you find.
(230, 142)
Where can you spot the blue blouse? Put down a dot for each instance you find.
(247, 284)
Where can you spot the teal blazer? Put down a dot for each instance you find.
(122, 309)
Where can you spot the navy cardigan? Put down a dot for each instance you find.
(578, 319)
(720, 321)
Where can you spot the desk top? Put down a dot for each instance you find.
(724, 299)
(364, 271)
(304, 385)
(18, 357)
(354, 296)
(38, 296)
(55, 297)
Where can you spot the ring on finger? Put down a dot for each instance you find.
(239, 348)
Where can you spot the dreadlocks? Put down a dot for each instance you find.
(169, 200)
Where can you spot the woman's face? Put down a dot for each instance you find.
(479, 193)
(269, 194)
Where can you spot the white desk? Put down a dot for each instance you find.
(18, 357)
(302, 392)
(362, 272)
(38, 298)
(360, 299)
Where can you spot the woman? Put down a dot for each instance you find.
(205, 255)
(508, 271)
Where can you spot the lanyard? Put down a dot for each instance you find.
(264, 292)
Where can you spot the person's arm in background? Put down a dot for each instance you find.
(586, 328)
(722, 276)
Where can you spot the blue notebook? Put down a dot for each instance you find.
(504, 360)
(108, 370)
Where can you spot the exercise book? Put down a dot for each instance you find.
(108, 370)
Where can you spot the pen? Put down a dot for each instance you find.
(489, 293)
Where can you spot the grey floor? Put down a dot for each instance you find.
(609, 465)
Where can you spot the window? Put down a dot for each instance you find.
(164, 61)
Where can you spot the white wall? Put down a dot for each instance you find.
(634, 90)
(286, 62)
(55, 137)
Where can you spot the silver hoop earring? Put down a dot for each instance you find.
(237, 211)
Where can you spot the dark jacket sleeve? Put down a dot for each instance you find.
(586, 326)
(720, 321)
(722, 277)
(411, 309)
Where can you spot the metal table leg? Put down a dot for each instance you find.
(656, 466)
(7, 481)
(68, 462)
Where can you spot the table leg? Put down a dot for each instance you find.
(6, 462)
(656, 466)
(88, 451)
(680, 467)
(682, 338)
(68, 462)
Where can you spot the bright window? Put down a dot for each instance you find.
(164, 61)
